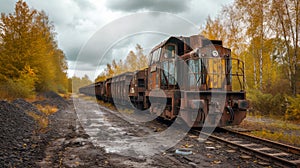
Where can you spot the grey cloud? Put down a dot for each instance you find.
(84, 4)
(174, 6)
(72, 53)
(77, 20)
(116, 39)
(84, 66)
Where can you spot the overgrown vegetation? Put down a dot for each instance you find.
(280, 106)
(75, 83)
(276, 130)
(266, 103)
(279, 136)
(293, 108)
(30, 58)
(22, 87)
(43, 120)
(47, 110)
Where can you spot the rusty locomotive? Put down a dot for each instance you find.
(193, 78)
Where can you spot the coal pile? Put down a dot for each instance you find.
(52, 99)
(16, 131)
(27, 107)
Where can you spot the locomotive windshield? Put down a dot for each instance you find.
(207, 71)
(170, 51)
(194, 72)
(168, 73)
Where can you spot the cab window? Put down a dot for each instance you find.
(155, 56)
(170, 51)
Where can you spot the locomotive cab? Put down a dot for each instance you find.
(194, 75)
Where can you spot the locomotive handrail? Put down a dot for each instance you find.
(237, 64)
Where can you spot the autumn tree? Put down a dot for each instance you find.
(213, 29)
(287, 28)
(101, 77)
(131, 62)
(28, 42)
(254, 16)
(134, 61)
(141, 57)
(76, 83)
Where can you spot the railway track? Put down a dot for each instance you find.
(270, 151)
(273, 152)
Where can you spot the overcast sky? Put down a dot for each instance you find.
(93, 32)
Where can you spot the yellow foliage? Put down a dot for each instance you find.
(42, 121)
(47, 110)
(19, 87)
(134, 61)
(293, 108)
(278, 130)
(278, 136)
(30, 59)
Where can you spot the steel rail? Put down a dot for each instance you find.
(258, 153)
(278, 145)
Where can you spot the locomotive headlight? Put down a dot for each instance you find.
(214, 53)
(132, 90)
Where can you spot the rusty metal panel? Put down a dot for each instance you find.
(196, 41)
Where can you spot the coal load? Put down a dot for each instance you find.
(16, 130)
(52, 99)
(27, 107)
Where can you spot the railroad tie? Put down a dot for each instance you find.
(247, 145)
(263, 149)
(280, 154)
(237, 142)
(296, 162)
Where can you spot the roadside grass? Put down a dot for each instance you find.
(110, 106)
(273, 129)
(66, 95)
(47, 110)
(43, 120)
(35, 98)
(107, 105)
(90, 98)
(281, 136)
(126, 111)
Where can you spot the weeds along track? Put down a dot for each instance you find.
(270, 151)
